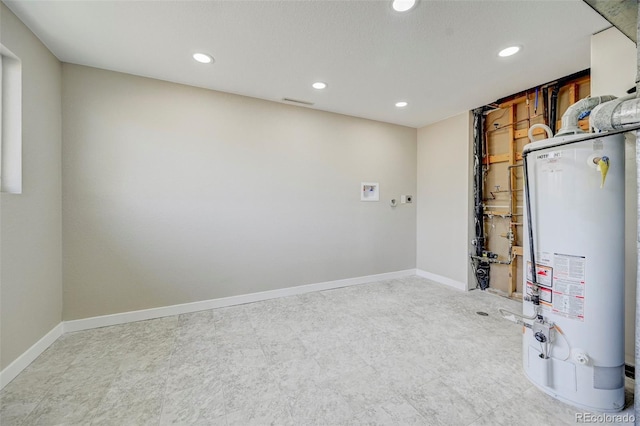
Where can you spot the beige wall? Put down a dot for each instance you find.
(30, 223)
(613, 72)
(444, 199)
(174, 194)
(613, 63)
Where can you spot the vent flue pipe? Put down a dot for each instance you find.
(616, 114)
(571, 116)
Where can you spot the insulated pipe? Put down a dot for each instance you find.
(478, 129)
(542, 126)
(570, 117)
(616, 114)
(586, 137)
(480, 268)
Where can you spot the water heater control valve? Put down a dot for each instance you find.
(543, 331)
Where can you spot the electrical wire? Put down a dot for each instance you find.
(566, 341)
(504, 315)
(504, 111)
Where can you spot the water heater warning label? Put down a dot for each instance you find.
(544, 274)
(550, 162)
(544, 279)
(569, 284)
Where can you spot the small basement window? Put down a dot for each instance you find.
(10, 122)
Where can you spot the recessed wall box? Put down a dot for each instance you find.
(369, 191)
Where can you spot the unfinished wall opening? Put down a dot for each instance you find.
(502, 128)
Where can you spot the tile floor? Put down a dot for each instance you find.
(398, 352)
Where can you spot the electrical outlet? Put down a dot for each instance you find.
(406, 199)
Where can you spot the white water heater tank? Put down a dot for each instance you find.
(577, 223)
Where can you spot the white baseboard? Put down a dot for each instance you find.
(185, 308)
(442, 280)
(23, 361)
(13, 369)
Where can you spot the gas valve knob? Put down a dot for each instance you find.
(540, 337)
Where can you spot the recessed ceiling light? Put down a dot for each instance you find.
(403, 5)
(509, 51)
(401, 104)
(202, 58)
(319, 85)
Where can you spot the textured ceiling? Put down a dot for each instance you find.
(441, 57)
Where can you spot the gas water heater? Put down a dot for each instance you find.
(573, 308)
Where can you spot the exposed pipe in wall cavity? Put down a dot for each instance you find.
(480, 267)
(481, 258)
(545, 104)
(553, 113)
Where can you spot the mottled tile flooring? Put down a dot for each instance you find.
(398, 352)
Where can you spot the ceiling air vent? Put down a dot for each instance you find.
(296, 101)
